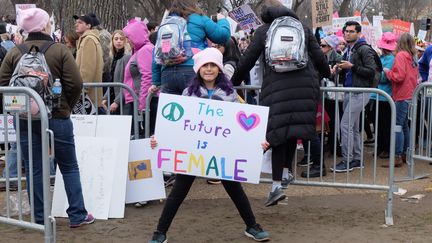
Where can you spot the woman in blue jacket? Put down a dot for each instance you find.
(174, 79)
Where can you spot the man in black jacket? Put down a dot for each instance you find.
(291, 96)
(358, 69)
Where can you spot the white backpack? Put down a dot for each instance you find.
(285, 48)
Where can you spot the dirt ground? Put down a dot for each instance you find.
(309, 214)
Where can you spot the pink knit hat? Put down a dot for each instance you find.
(33, 19)
(206, 56)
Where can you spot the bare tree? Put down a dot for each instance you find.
(112, 14)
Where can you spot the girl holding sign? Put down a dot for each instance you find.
(211, 83)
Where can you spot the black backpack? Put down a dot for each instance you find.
(378, 63)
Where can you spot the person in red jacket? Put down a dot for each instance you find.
(403, 76)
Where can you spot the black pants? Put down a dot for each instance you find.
(330, 108)
(282, 157)
(384, 123)
(180, 190)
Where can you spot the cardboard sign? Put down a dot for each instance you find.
(322, 12)
(144, 182)
(245, 17)
(210, 138)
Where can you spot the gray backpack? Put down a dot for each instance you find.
(32, 71)
(285, 48)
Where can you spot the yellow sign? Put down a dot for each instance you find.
(140, 169)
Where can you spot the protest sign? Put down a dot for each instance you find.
(7, 121)
(370, 34)
(396, 26)
(102, 154)
(210, 138)
(322, 13)
(338, 23)
(245, 17)
(144, 182)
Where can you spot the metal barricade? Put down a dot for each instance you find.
(246, 88)
(420, 144)
(24, 95)
(137, 117)
(366, 177)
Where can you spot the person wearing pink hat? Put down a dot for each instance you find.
(403, 76)
(209, 83)
(36, 23)
(387, 45)
(341, 46)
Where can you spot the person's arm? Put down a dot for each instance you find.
(88, 58)
(251, 55)
(71, 79)
(219, 32)
(430, 72)
(317, 56)
(368, 67)
(145, 67)
(398, 72)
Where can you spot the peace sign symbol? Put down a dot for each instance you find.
(172, 111)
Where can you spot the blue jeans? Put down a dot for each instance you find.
(176, 78)
(65, 158)
(11, 161)
(402, 138)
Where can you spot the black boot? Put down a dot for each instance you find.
(314, 171)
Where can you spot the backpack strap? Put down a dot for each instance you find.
(45, 46)
(23, 48)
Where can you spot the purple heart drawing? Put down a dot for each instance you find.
(247, 122)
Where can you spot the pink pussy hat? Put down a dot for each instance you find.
(206, 56)
(33, 19)
(387, 41)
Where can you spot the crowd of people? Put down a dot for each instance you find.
(218, 62)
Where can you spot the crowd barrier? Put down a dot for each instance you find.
(366, 178)
(119, 88)
(18, 95)
(420, 147)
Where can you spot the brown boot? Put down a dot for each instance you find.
(397, 162)
(403, 158)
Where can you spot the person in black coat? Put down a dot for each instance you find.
(291, 96)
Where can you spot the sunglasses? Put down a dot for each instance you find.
(322, 45)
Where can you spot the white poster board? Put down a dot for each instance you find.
(338, 23)
(210, 138)
(245, 17)
(96, 160)
(107, 140)
(144, 183)
(11, 133)
(422, 35)
(369, 33)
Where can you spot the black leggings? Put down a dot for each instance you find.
(282, 157)
(180, 190)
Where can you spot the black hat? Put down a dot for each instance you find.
(87, 19)
(94, 19)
